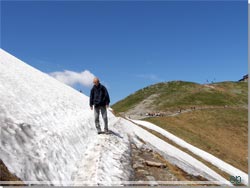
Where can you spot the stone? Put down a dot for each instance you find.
(155, 164)
(137, 165)
(144, 172)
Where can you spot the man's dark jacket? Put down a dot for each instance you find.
(99, 96)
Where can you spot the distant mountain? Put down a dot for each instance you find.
(175, 95)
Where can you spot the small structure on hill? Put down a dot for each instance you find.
(244, 79)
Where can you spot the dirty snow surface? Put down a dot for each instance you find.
(48, 134)
(47, 129)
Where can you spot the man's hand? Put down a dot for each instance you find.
(91, 107)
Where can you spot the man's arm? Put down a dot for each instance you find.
(107, 99)
(91, 98)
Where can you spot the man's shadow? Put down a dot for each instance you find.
(114, 133)
(111, 132)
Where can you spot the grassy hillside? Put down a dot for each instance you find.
(218, 125)
(175, 94)
(221, 132)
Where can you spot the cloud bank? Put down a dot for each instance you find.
(71, 78)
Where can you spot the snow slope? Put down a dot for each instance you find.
(203, 154)
(46, 126)
(48, 134)
(99, 156)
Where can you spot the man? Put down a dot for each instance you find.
(99, 98)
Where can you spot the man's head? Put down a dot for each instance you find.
(96, 81)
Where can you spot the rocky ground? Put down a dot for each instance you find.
(142, 108)
(150, 168)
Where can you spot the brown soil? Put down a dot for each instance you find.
(169, 172)
(6, 175)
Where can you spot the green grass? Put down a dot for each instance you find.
(176, 94)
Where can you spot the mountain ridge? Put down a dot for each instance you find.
(176, 95)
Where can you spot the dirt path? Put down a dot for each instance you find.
(139, 115)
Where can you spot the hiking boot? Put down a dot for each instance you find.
(106, 131)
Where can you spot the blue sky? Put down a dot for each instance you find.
(129, 45)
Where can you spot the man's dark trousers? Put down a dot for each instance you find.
(104, 116)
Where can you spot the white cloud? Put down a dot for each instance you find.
(84, 78)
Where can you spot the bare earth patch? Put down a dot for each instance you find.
(151, 167)
(142, 108)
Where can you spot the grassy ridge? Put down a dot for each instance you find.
(177, 94)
